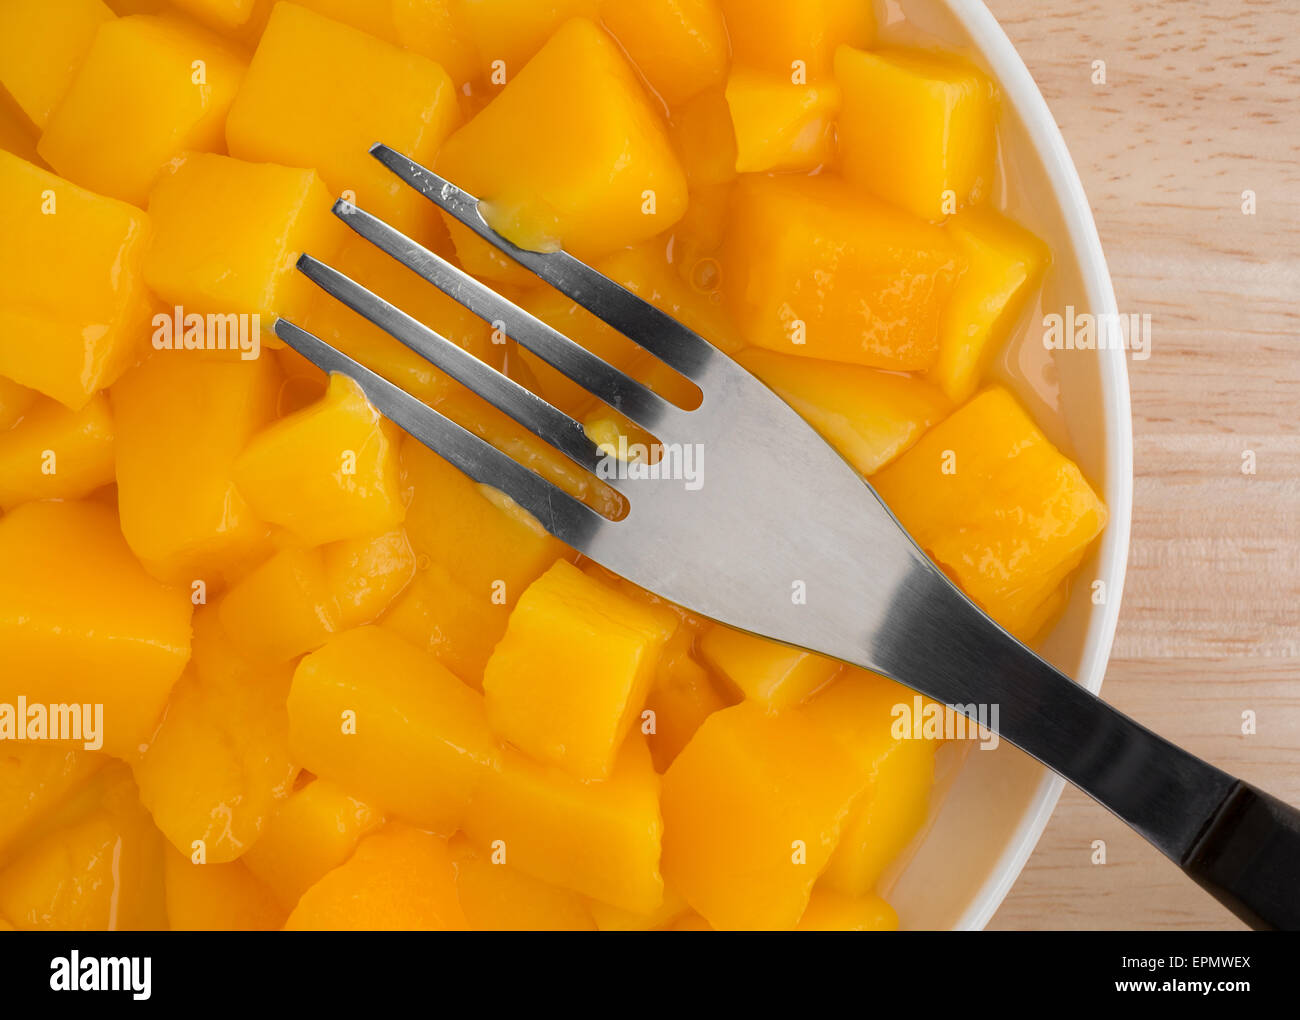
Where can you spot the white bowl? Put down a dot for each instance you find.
(993, 805)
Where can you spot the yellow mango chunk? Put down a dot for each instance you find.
(507, 33)
(601, 173)
(228, 235)
(17, 133)
(15, 402)
(869, 416)
(916, 130)
(811, 267)
(1004, 264)
(857, 711)
(181, 513)
(327, 472)
(1011, 514)
(54, 453)
(135, 104)
(779, 125)
(340, 327)
(796, 40)
(282, 608)
(319, 93)
(828, 911)
(492, 554)
(690, 921)
(220, 760)
(73, 306)
(100, 870)
(497, 897)
(705, 139)
(42, 46)
(310, 834)
(385, 720)
(436, 29)
(217, 897)
(35, 778)
(764, 671)
(440, 615)
(400, 879)
(753, 807)
(598, 839)
(81, 622)
(224, 15)
(569, 678)
(679, 45)
(366, 574)
(682, 696)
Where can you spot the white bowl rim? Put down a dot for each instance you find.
(1021, 93)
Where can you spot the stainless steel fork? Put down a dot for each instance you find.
(779, 512)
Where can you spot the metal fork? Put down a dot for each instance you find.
(781, 512)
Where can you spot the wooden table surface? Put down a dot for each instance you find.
(1201, 104)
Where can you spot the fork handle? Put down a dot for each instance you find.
(1237, 842)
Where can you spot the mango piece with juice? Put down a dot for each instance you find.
(55, 453)
(42, 46)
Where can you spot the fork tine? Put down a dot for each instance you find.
(638, 402)
(562, 515)
(638, 320)
(524, 406)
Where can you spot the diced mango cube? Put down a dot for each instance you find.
(327, 472)
(507, 33)
(869, 416)
(149, 89)
(217, 897)
(598, 839)
(385, 720)
(797, 40)
(601, 173)
(227, 237)
(440, 615)
(682, 696)
(1004, 264)
(497, 897)
(43, 44)
(753, 807)
(569, 678)
(990, 499)
(54, 453)
(493, 554)
(17, 133)
(679, 45)
(366, 574)
(340, 327)
(779, 125)
(319, 93)
(828, 911)
(616, 919)
(100, 870)
(81, 622)
(705, 140)
(859, 712)
(437, 29)
(220, 760)
(310, 834)
(283, 608)
(35, 778)
(225, 16)
(916, 130)
(811, 267)
(73, 306)
(181, 513)
(764, 671)
(400, 879)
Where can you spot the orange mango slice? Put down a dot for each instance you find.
(217, 897)
(41, 48)
(54, 453)
(73, 306)
(497, 897)
(35, 779)
(366, 574)
(385, 720)
(765, 671)
(283, 608)
(828, 911)
(779, 125)
(679, 45)
(796, 40)
(150, 88)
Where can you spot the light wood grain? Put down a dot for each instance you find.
(1202, 103)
